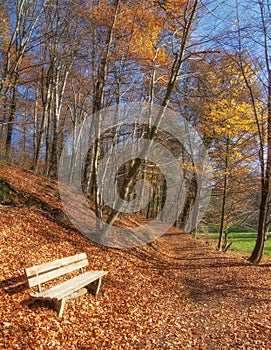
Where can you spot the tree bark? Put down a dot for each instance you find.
(224, 198)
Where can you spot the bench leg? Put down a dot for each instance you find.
(61, 308)
(95, 286)
(59, 305)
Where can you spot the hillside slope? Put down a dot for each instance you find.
(180, 295)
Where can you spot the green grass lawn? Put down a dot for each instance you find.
(242, 241)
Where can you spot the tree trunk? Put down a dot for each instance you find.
(10, 122)
(264, 212)
(224, 198)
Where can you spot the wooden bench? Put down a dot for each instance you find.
(89, 281)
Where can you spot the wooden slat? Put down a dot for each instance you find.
(39, 269)
(48, 276)
(74, 284)
(66, 288)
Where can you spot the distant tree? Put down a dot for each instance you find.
(57, 55)
(17, 37)
(215, 100)
(180, 23)
(253, 42)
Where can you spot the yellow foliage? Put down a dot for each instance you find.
(139, 26)
(228, 117)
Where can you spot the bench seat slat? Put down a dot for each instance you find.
(64, 289)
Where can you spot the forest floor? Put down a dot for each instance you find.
(176, 294)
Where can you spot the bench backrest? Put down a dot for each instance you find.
(45, 272)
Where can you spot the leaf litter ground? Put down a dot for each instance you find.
(175, 294)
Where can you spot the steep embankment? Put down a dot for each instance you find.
(181, 295)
